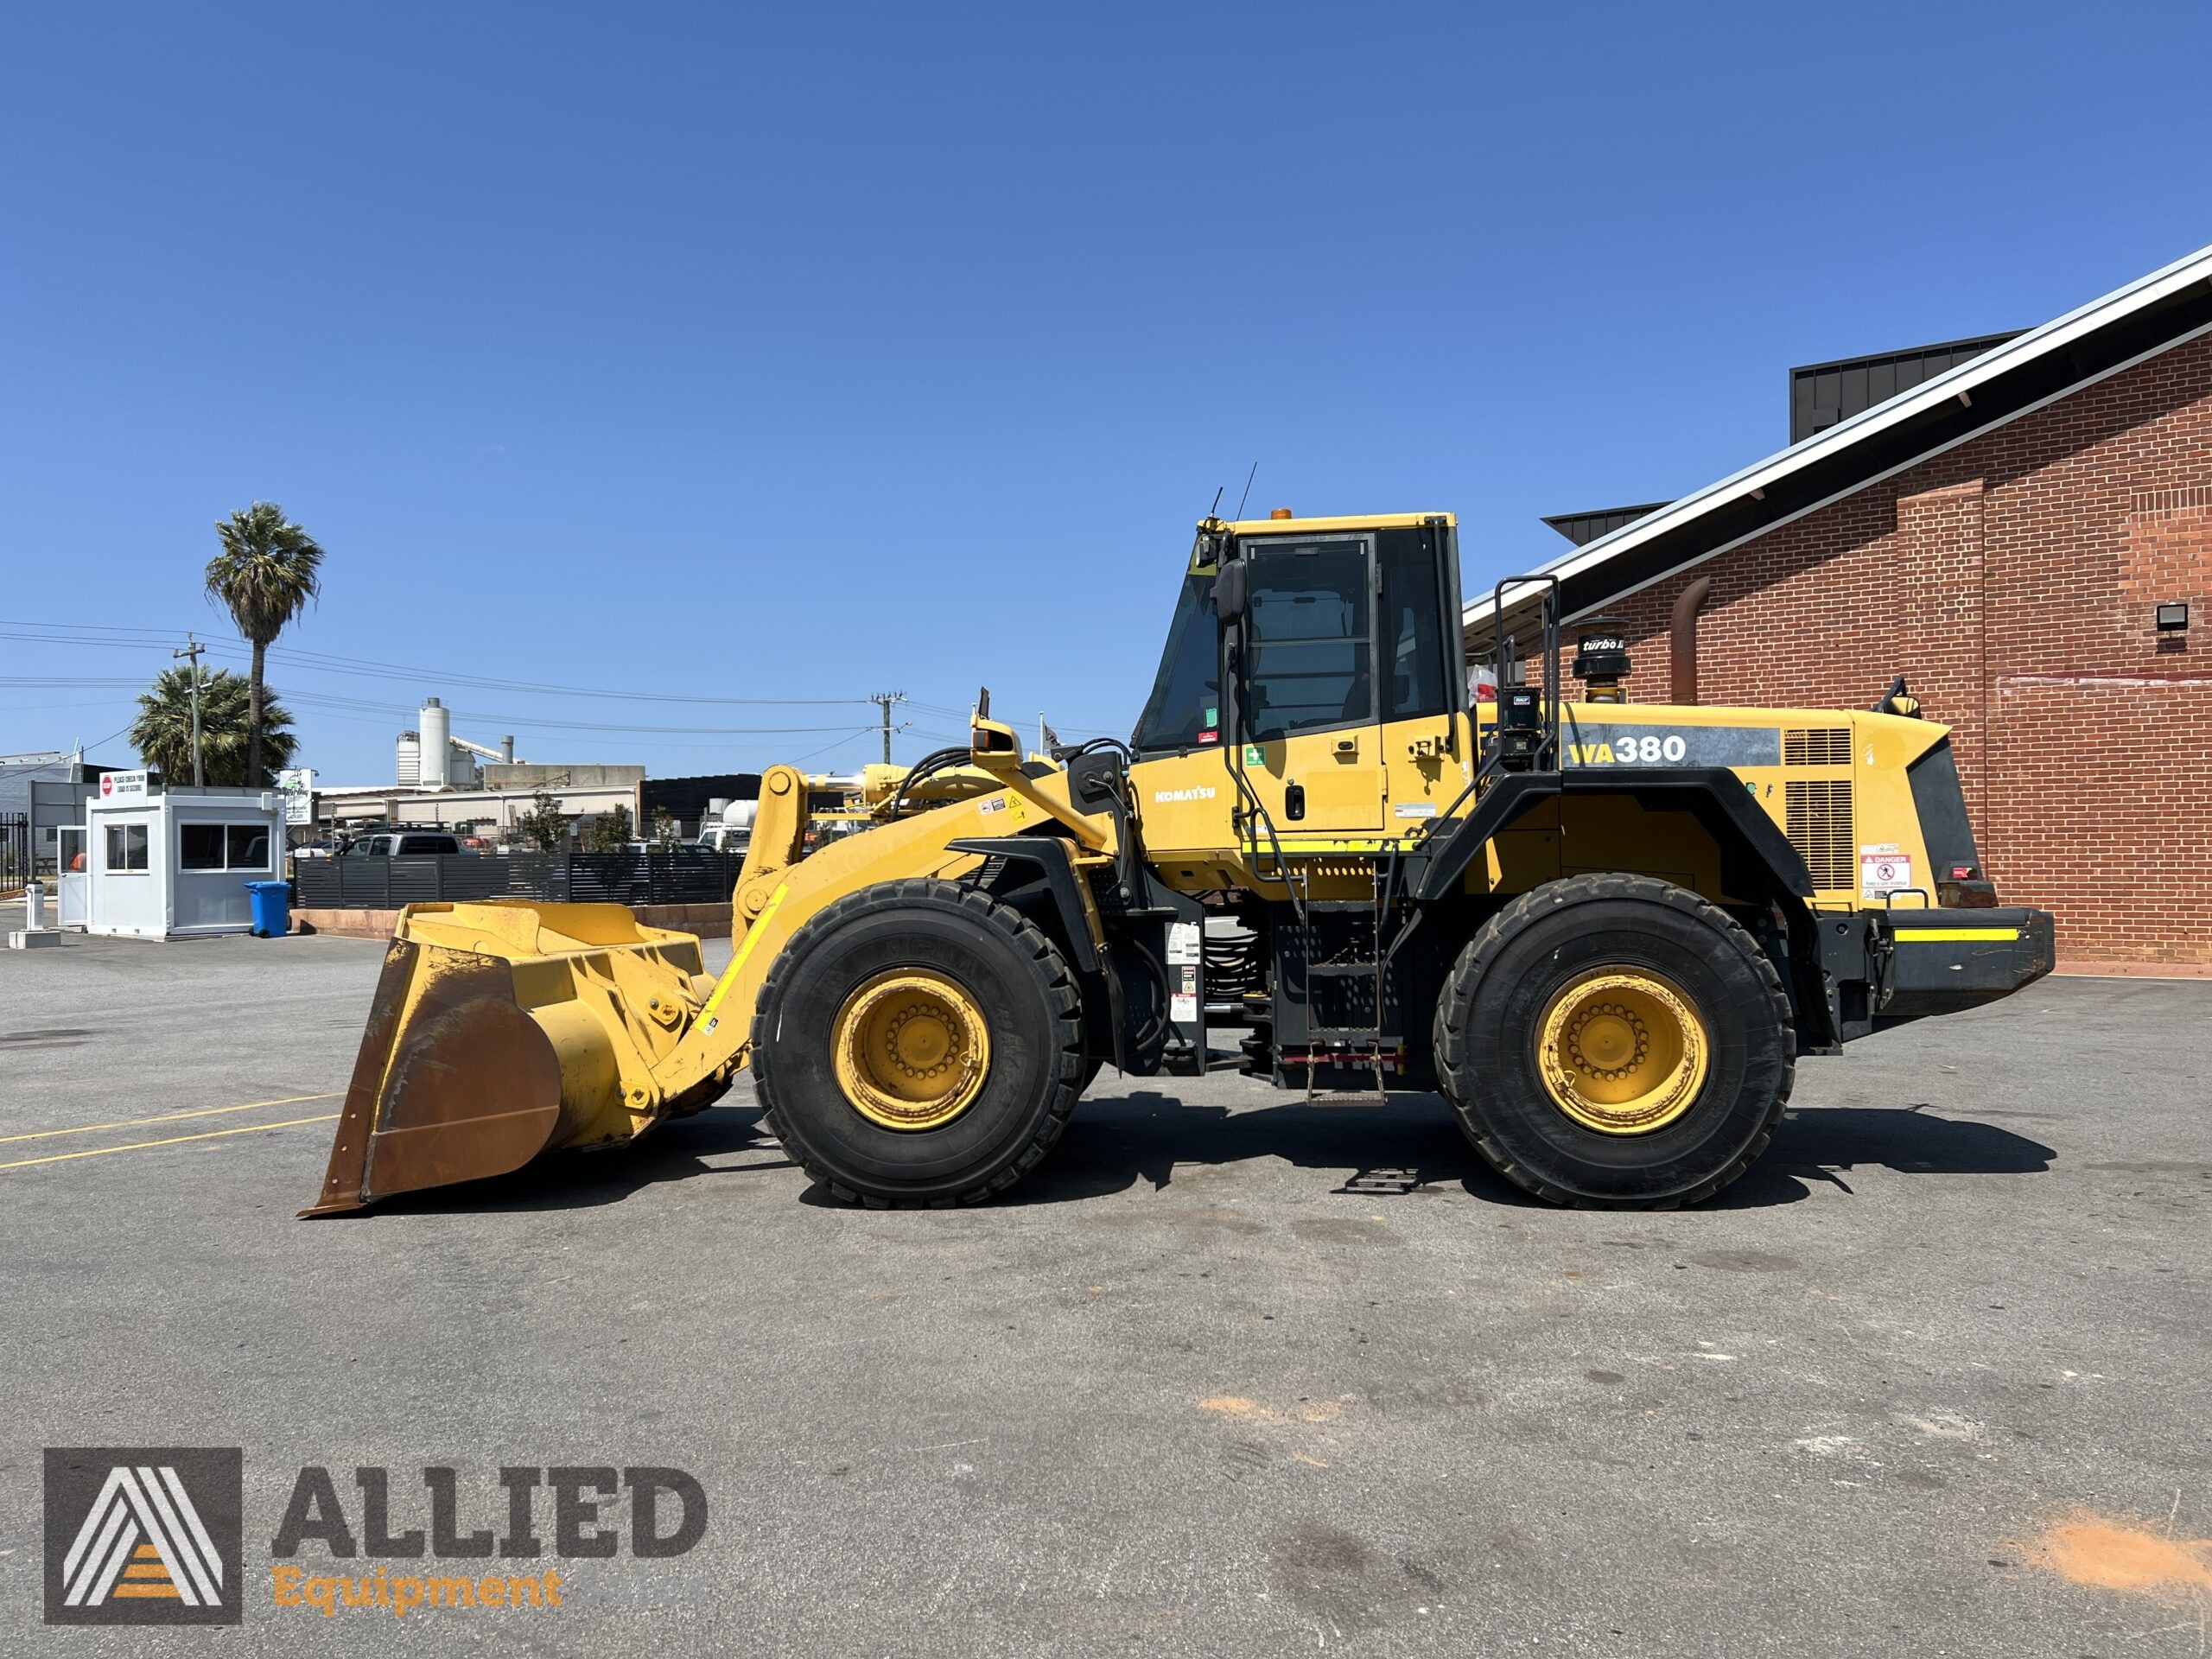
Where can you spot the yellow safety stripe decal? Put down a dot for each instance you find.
(752, 938)
(1954, 935)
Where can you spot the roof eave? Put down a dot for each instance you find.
(1753, 484)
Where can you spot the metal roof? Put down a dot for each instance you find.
(1821, 394)
(1584, 528)
(2113, 333)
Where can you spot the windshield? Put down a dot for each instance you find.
(1184, 709)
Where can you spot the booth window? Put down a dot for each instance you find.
(222, 846)
(247, 845)
(126, 848)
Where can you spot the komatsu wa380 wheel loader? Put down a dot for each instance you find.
(1605, 932)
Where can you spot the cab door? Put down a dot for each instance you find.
(1312, 748)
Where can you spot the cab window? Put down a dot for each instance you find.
(1185, 709)
(1416, 649)
(1306, 659)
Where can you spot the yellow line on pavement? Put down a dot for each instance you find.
(174, 1139)
(166, 1117)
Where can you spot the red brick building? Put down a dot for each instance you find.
(2016, 536)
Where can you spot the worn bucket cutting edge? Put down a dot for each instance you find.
(453, 1082)
(457, 1080)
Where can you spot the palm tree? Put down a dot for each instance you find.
(163, 732)
(264, 576)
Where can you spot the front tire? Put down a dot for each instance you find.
(1616, 1042)
(917, 1043)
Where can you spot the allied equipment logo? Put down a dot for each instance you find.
(143, 1535)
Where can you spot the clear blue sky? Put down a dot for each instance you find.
(728, 353)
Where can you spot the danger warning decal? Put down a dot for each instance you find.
(1587, 742)
(1884, 870)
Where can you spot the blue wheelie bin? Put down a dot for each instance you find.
(272, 902)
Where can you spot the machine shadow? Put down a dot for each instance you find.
(1115, 1142)
(583, 1180)
(1823, 1144)
(1118, 1142)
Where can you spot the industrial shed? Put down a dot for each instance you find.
(2027, 535)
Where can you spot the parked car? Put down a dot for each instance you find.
(412, 843)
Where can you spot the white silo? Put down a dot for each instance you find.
(436, 727)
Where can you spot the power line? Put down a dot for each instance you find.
(828, 747)
(328, 663)
(62, 634)
(322, 702)
(479, 717)
(123, 638)
(32, 681)
(72, 760)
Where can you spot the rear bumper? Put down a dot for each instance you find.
(1942, 961)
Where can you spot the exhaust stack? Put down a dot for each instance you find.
(1684, 643)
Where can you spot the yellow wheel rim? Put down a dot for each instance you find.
(1622, 1050)
(911, 1049)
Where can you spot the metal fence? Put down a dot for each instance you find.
(14, 850)
(670, 875)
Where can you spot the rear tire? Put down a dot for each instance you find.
(1715, 1099)
(813, 1029)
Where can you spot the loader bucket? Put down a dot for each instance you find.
(504, 1030)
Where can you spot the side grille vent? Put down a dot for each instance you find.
(1818, 816)
(1830, 747)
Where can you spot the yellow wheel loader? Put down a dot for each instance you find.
(1603, 932)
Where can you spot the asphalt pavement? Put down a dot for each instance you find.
(1229, 1376)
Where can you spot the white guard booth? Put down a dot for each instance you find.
(172, 861)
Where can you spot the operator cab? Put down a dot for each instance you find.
(1344, 628)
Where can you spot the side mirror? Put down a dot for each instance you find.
(992, 747)
(1228, 592)
(1897, 700)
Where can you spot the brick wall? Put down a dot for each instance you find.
(2013, 580)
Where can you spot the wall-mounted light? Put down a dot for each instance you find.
(2172, 618)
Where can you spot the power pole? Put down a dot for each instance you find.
(193, 649)
(885, 699)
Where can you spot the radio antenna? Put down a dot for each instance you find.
(1246, 496)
